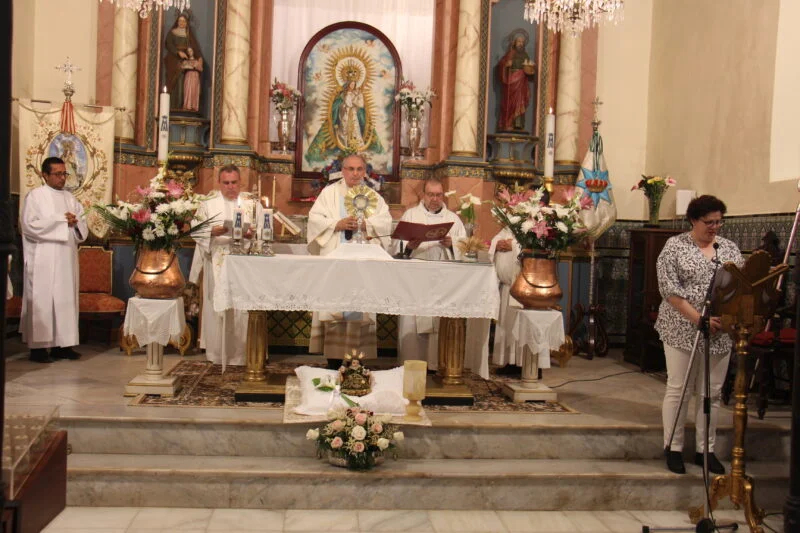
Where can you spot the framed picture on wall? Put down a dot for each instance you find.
(348, 76)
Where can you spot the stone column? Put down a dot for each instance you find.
(568, 100)
(236, 81)
(467, 89)
(123, 77)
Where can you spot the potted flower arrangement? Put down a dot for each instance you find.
(355, 438)
(156, 218)
(542, 230)
(413, 101)
(653, 188)
(285, 98)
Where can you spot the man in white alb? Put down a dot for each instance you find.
(52, 225)
(329, 226)
(503, 252)
(222, 335)
(417, 336)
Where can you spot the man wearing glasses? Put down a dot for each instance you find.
(52, 226)
(329, 226)
(418, 336)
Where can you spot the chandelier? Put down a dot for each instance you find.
(572, 15)
(144, 7)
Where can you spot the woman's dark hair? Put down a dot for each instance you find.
(703, 205)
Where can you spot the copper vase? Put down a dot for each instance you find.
(536, 286)
(157, 275)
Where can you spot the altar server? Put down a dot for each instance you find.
(329, 226)
(222, 335)
(504, 252)
(52, 225)
(418, 336)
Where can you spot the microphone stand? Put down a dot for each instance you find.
(706, 524)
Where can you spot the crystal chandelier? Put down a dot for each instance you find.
(572, 15)
(144, 7)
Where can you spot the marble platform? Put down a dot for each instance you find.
(605, 457)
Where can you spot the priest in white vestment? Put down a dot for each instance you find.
(222, 335)
(52, 224)
(418, 336)
(329, 226)
(504, 252)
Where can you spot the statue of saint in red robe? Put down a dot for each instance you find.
(513, 71)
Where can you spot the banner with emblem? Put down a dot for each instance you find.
(88, 153)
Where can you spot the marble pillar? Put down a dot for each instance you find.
(236, 81)
(123, 77)
(568, 99)
(467, 87)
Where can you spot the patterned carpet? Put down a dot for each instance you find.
(204, 385)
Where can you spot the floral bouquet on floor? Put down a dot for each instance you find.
(538, 226)
(283, 96)
(157, 216)
(355, 438)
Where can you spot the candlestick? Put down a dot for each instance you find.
(274, 201)
(163, 126)
(550, 144)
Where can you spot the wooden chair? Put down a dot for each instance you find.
(96, 303)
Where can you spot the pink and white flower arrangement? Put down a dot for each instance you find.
(356, 435)
(283, 95)
(413, 99)
(538, 226)
(156, 216)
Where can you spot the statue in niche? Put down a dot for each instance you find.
(192, 67)
(514, 72)
(182, 59)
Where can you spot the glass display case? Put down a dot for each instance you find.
(27, 433)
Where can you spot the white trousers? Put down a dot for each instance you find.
(677, 366)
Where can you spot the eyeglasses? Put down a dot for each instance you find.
(59, 174)
(713, 223)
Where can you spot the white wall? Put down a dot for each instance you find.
(784, 140)
(623, 71)
(64, 28)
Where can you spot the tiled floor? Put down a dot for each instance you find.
(154, 520)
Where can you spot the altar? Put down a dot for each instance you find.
(453, 291)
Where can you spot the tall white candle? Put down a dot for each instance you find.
(163, 126)
(550, 144)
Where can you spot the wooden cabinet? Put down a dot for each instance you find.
(642, 345)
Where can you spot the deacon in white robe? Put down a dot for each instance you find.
(504, 251)
(222, 335)
(52, 224)
(418, 336)
(329, 226)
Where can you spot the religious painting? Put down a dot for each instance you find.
(348, 77)
(86, 153)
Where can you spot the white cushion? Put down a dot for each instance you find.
(386, 396)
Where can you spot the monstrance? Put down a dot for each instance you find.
(360, 202)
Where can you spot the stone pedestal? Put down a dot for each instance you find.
(153, 381)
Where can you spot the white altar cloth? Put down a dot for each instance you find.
(539, 330)
(396, 287)
(154, 321)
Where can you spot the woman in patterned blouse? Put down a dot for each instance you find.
(685, 267)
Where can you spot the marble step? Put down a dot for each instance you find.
(242, 438)
(308, 483)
